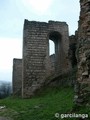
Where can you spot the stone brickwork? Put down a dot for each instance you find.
(72, 49)
(52, 63)
(82, 88)
(17, 76)
(31, 73)
(36, 60)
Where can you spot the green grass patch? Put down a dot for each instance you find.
(43, 106)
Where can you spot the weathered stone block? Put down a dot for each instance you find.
(17, 77)
(83, 54)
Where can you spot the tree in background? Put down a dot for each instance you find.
(5, 90)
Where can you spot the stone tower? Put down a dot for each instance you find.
(83, 54)
(37, 64)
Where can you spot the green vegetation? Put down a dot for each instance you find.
(43, 106)
(5, 89)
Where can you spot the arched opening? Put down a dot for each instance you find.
(54, 42)
(54, 49)
(51, 47)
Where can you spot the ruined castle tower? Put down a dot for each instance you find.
(37, 63)
(83, 54)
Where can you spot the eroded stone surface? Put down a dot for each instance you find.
(83, 54)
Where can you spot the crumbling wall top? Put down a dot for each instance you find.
(36, 23)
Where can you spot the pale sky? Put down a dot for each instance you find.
(13, 13)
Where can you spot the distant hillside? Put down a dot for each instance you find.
(5, 82)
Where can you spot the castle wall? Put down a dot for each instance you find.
(36, 59)
(17, 76)
(82, 88)
(72, 50)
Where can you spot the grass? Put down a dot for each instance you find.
(43, 106)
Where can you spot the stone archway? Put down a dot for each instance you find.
(55, 59)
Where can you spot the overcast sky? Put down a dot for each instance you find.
(13, 13)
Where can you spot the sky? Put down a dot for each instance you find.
(12, 15)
